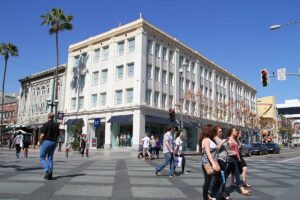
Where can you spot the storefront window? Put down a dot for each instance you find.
(124, 138)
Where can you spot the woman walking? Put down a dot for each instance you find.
(18, 143)
(179, 150)
(234, 160)
(210, 166)
(243, 162)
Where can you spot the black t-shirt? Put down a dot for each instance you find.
(51, 130)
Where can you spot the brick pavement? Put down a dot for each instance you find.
(120, 175)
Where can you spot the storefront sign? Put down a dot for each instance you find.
(94, 142)
(97, 122)
(60, 115)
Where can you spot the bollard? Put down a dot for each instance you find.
(87, 153)
(67, 152)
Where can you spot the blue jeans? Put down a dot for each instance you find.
(169, 159)
(47, 150)
(233, 168)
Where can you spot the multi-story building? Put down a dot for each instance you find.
(10, 108)
(129, 77)
(267, 114)
(35, 96)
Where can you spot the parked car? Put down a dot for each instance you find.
(246, 150)
(273, 148)
(259, 149)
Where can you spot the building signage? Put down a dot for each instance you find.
(94, 142)
(97, 122)
(60, 115)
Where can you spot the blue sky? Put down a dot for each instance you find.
(233, 33)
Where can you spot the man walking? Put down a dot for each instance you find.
(168, 148)
(146, 142)
(48, 141)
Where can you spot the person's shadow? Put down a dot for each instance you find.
(67, 176)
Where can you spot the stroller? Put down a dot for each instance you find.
(148, 155)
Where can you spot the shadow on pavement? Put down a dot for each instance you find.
(67, 176)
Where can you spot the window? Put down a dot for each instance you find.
(118, 97)
(130, 70)
(120, 48)
(148, 96)
(187, 84)
(103, 99)
(105, 52)
(37, 91)
(181, 61)
(171, 79)
(95, 78)
(157, 50)
(156, 98)
(171, 101)
(129, 95)
(156, 75)
(94, 100)
(187, 61)
(43, 90)
(149, 72)
(96, 55)
(120, 72)
(171, 57)
(104, 76)
(193, 86)
(164, 77)
(165, 53)
(193, 68)
(76, 61)
(181, 80)
(149, 46)
(81, 102)
(164, 99)
(131, 45)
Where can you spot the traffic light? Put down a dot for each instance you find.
(264, 77)
(171, 115)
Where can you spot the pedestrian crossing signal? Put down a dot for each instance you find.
(264, 77)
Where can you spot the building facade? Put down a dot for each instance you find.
(10, 109)
(123, 82)
(35, 95)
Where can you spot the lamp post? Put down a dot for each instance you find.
(52, 103)
(277, 26)
(181, 79)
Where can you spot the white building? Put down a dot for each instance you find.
(130, 76)
(35, 90)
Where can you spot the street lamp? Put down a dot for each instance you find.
(277, 26)
(52, 104)
(181, 78)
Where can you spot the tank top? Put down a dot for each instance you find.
(213, 150)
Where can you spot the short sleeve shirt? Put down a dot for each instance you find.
(169, 138)
(146, 141)
(51, 130)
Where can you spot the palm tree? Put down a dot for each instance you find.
(6, 50)
(58, 22)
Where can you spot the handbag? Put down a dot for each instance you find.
(179, 164)
(209, 169)
(21, 144)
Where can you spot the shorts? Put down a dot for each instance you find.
(145, 150)
(243, 162)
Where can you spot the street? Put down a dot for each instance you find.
(120, 175)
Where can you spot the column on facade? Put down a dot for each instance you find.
(108, 132)
(227, 89)
(138, 128)
(235, 103)
(177, 90)
(213, 96)
(197, 87)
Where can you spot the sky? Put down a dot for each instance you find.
(233, 34)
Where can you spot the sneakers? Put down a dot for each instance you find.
(185, 172)
(48, 175)
(244, 191)
(211, 198)
(225, 196)
(156, 173)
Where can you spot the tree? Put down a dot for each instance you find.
(6, 50)
(58, 22)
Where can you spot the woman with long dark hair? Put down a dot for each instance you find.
(209, 151)
(234, 160)
(179, 149)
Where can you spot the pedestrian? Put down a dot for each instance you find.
(48, 141)
(168, 150)
(18, 143)
(179, 150)
(210, 166)
(222, 159)
(82, 144)
(234, 160)
(158, 146)
(146, 144)
(26, 143)
(243, 162)
(153, 146)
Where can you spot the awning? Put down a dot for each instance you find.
(157, 120)
(120, 118)
(72, 121)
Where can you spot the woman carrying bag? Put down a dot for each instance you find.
(179, 151)
(209, 159)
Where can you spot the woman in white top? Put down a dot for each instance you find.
(153, 145)
(179, 150)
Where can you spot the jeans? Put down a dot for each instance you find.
(169, 159)
(233, 167)
(18, 149)
(47, 150)
(216, 177)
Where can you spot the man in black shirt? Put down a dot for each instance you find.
(48, 141)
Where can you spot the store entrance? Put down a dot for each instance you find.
(100, 135)
(125, 135)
